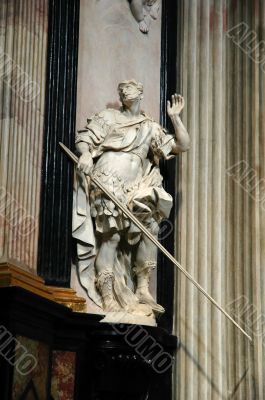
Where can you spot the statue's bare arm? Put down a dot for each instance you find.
(174, 108)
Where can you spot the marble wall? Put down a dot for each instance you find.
(221, 221)
(112, 49)
(23, 43)
(31, 375)
(63, 375)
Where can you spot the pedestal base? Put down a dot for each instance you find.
(126, 318)
(77, 355)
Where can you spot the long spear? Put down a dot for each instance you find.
(125, 210)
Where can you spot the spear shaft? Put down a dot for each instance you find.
(143, 229)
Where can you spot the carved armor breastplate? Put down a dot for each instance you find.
(141, 151)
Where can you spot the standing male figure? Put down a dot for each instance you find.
(122, 149)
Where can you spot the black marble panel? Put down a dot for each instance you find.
(55, 244)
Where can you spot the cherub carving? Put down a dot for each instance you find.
(141, 9)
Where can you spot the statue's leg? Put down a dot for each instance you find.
(105, 277)
(145, 262)
(107, 252)
(155, 10)
(137, 9)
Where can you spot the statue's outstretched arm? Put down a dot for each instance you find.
(182, 137)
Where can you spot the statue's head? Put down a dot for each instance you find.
(130, 91)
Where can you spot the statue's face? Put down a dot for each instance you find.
(129, 94)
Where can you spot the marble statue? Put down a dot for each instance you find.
(142, 9)
(122, 148)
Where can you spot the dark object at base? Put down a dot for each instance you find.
(78, 355)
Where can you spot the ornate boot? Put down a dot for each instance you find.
(104, 284)
(143, 273)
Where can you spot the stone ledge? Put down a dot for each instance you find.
(11, 275)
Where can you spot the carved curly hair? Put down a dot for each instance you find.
(132, 82)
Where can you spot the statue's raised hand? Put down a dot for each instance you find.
(176, 106)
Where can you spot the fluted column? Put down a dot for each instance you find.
(221, 218)
(23, 45)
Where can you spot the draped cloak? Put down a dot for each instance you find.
(94, 214)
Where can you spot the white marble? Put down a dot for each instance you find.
(144, 11)
(111, 48)
(121, 149)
